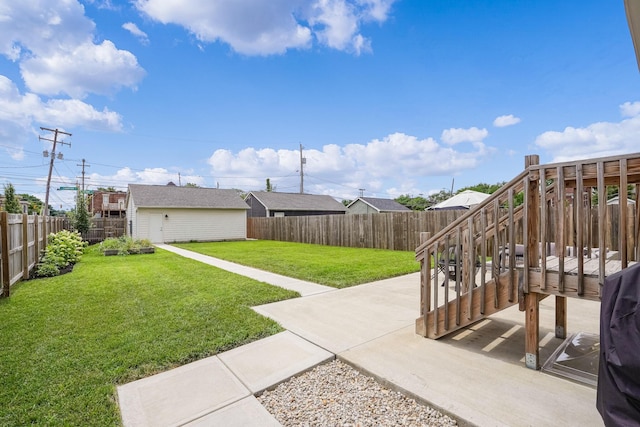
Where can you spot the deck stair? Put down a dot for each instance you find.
(541, 234)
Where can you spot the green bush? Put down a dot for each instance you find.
(125, 244)
(47, 269)
(63, 248)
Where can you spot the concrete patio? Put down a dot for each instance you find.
(476, 375)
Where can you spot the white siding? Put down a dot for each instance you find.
(185, 225)
(131, 216)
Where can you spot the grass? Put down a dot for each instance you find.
(67, 341)
(327, 265)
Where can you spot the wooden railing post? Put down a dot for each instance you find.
(425, 291)
(531, 299)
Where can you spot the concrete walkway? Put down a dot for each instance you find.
(476, 375)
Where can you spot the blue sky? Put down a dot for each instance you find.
(393, 97)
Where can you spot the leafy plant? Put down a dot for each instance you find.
(11, 202)
(63, 249)
(125, 244)
(47, 269)
(110, 243)
(81, 222)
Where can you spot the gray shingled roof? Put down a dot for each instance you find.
(168, 196)
(383, 205)
(298, 202)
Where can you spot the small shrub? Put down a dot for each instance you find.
(146, 243)
(47, 269)
(125, 245)
(110, 243)
(63, 249)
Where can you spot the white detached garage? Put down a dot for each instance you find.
(167, 213)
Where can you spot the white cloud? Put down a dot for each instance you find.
(455, 136)
(336, 26)
(507, 120)
(133, 29)
(630, 109)
(19, 114)
(150, 176)
(53, 42)
(257, 27)
(377, 10)
(88, 68)
(24, 110)
(596, 140)
(399, 161)
(36, 27)
(250, 27)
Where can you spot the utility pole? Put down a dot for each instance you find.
(82, 193)
(361, 191)
(56, 132)
(303, 161)
(84, 165)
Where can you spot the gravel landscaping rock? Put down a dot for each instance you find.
(335, 394)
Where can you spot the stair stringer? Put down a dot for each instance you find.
(501, 288)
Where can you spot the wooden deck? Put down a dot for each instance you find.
(574, 285)
(544, 208)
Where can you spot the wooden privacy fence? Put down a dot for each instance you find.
(401, 230)
(397, 231)
(103, 228)
(22, 238)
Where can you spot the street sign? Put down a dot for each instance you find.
(68, 188)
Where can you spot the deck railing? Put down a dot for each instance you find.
(544, 231)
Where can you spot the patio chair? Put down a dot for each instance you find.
(451, 266)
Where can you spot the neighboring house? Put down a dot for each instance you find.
(463, 200)
(24, 205)
(616, 201)
(163, 213)
(270, 204)
(367, 205)
(107, 204)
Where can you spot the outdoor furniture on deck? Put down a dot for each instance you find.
(451, 265)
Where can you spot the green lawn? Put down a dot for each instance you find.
(327, 265)
(67, 341)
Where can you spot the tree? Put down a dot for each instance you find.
(107, 189)
(11, 202)
(35, 204)
(269, 188)
(484, 188)
(347, 202)
(81, 217)
(418, 203)
(612, 191)
(191, 185)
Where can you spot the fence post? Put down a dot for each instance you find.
(6, 276)
(36, 237)
(25, 246)
(44, 230)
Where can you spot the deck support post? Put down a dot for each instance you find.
(532, 330)
(561, 317)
